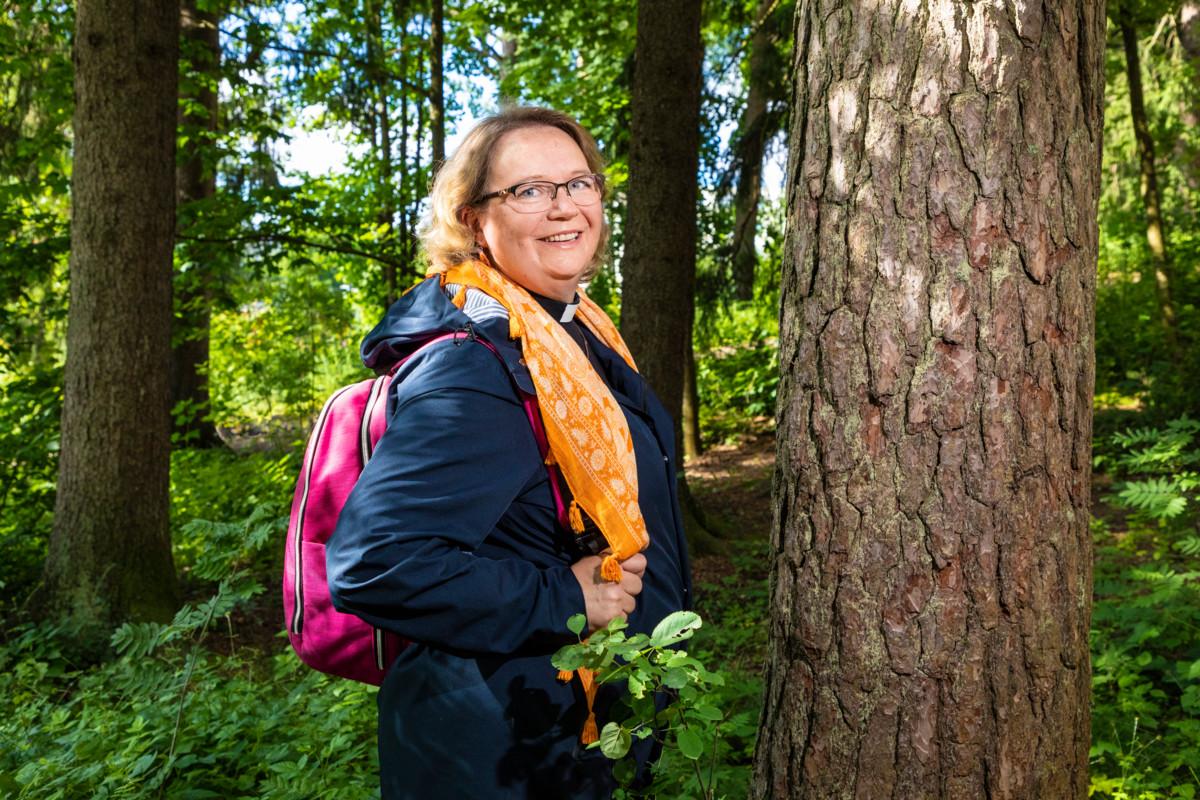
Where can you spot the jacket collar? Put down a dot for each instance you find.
(424, 312)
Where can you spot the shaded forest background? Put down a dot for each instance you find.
(277, 273)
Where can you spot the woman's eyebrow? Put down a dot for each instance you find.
(546, 178)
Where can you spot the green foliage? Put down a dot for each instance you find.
(280, 358)
(737, 374)
(29, 416)
(174, 715)
(1132, 359)
(671, 696)
(1146, 619)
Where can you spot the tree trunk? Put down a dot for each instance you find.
(931, 582)
(408, 197)
(437, 105)
(751, 146)
(692, 443)
(1188, 26)
(1151, 197)
(109, 557)
(508, 55)
(382, 125)
(659, 265)
(195, 182)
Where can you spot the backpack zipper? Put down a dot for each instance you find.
(297, 621)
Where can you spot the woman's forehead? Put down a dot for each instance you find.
(540, 153)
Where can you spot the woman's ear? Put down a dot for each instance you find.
(469, 217)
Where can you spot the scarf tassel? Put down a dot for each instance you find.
(610, 569)
(587, 678)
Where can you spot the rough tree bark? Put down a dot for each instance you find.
(110, 552)
(931, 577)
(195, 180)
(659, 265)
(1164, 279)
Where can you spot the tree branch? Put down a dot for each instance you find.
(299, 241)
(346, 59)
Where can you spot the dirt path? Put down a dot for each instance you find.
(732, 483)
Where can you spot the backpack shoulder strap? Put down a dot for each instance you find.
(533, 414)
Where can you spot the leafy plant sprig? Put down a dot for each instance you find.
(670, 692)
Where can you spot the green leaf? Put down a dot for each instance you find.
(615, 741)
(568, 658)
(676, 678)
(675, 627)
(625, 771)
(690, 744)
(709, 713)
(577, 623)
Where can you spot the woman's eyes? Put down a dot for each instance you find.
(584, 184)
(530, 191)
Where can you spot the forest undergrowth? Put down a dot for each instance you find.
(215, 704)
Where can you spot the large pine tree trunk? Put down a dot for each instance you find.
(659, 266)
(195, 180)
(110, 551)
(931, 580)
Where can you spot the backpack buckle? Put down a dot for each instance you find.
(591, 541)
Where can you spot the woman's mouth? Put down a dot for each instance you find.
(562, 237)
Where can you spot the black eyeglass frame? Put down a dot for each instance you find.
(599, 179)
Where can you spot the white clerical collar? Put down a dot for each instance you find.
(568, 312)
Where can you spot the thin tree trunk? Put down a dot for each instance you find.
(109, 557)
(381, 113)
(508, 54)
(407, 248)
(692, 443)
(437, 106)
(751, 147)
(931, 557)
(1151, 198)
(195, 182)
(659, 265)
(1188, 27)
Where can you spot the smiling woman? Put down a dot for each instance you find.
(481, 524)
(542, 238)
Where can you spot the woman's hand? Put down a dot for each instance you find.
(606, 601)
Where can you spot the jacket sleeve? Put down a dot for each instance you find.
(453, 459)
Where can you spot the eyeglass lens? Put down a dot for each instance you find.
(536, 196)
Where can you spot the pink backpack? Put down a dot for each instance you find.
(338, 448)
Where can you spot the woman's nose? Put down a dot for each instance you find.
(562, 205)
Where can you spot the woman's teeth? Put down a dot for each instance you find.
(562, 237)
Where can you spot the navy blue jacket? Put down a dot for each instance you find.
(450, 540)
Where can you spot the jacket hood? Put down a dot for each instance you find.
(421, 313)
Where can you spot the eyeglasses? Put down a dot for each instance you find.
(533, 197)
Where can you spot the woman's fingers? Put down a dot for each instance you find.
(636, 564)
(606, 601)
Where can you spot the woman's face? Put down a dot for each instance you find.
(546, 252)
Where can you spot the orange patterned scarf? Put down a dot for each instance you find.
(588, 435)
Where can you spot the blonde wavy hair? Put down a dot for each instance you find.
(446, 239)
